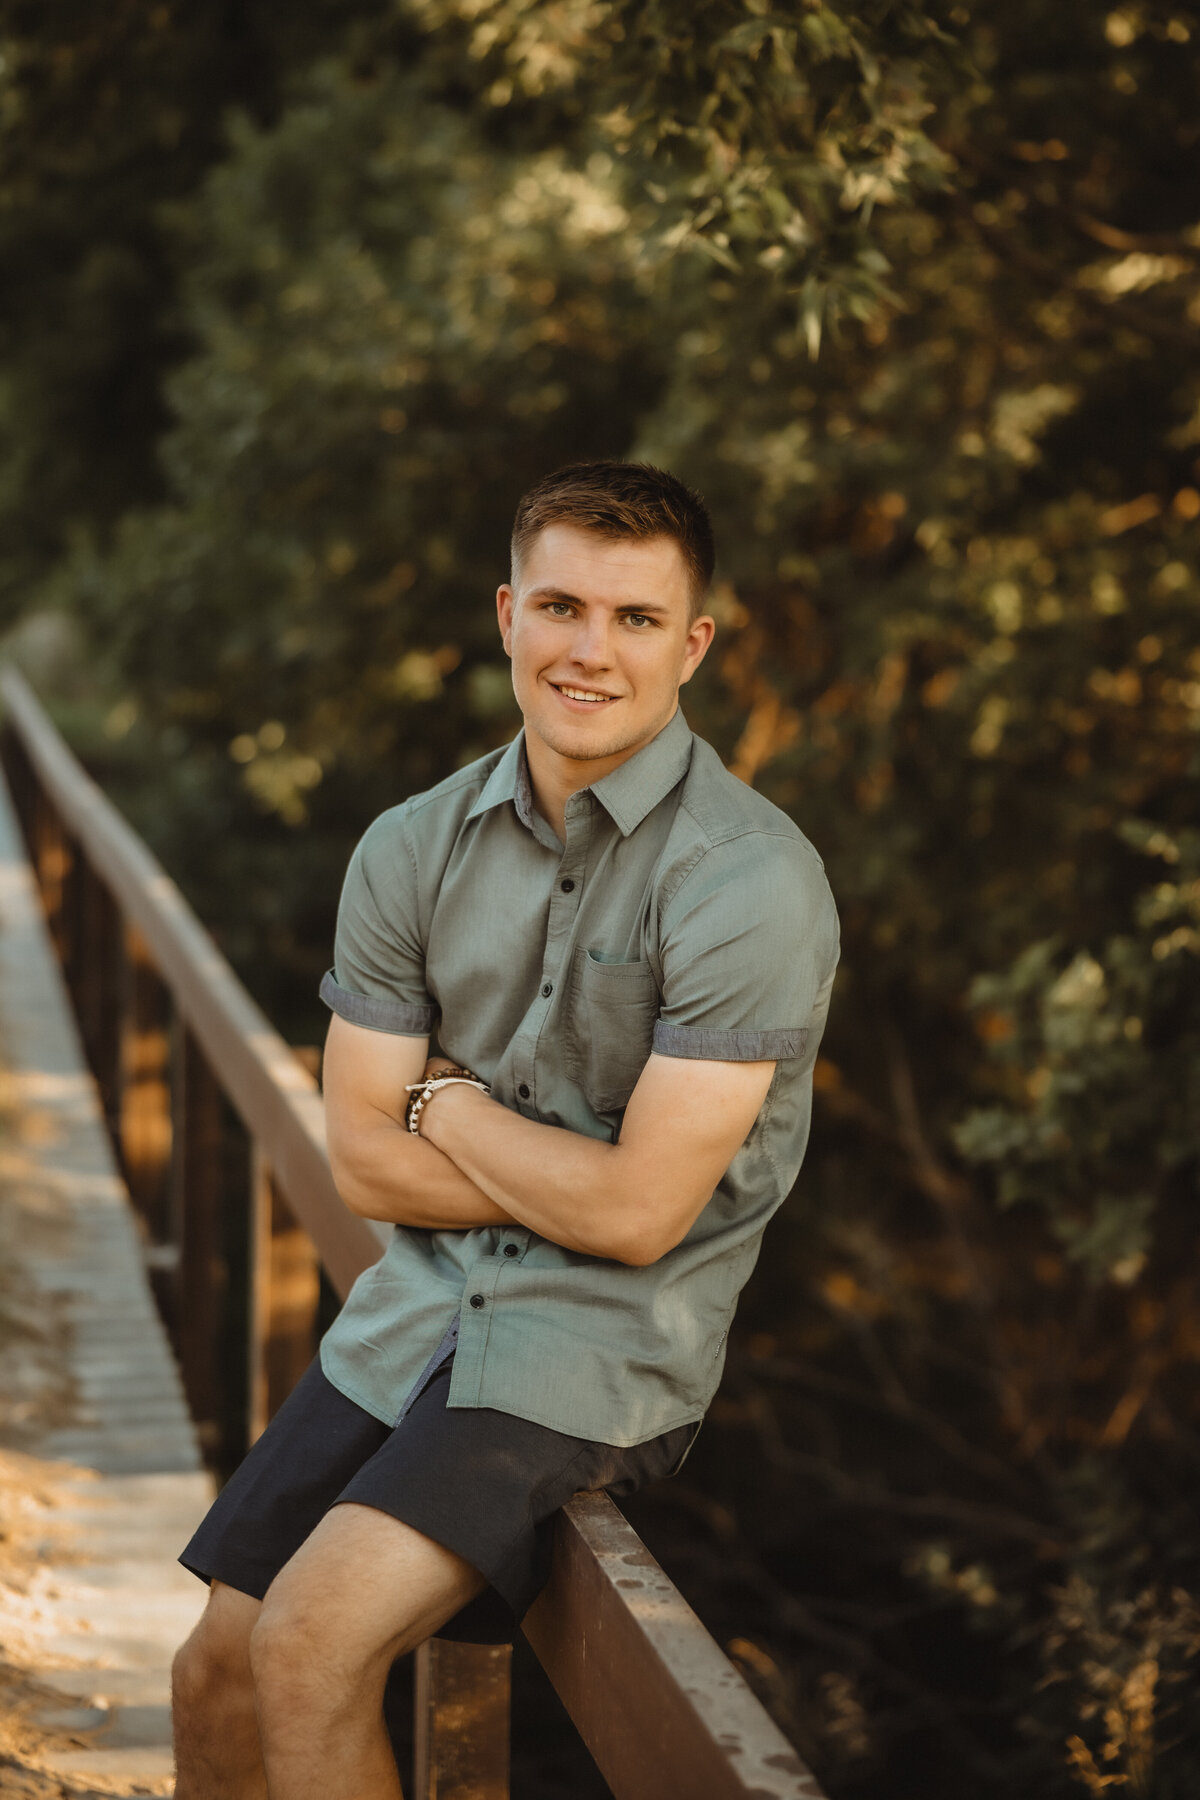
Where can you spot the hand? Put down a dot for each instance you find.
(438, 1065)
(433, 1066)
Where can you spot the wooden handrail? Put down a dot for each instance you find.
(661, 1708)
(663, 1711)
(276, 1098)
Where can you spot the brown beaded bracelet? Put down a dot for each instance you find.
(422, 1092)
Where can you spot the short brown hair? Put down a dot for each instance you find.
(620, 499)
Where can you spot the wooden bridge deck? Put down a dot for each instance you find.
(101, 1480)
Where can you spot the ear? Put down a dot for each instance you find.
(695, 647)
(506, 602)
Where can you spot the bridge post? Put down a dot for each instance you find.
(198, 1169)
(144, 1087)
(98, 942)
(53, 865)
(285, 1292)
(460, 1722)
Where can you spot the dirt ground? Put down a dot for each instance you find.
(25, 1504)
(36, 1395)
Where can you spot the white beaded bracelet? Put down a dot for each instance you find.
(423, 1091)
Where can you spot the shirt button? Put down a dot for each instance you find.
(477, 1300)
(523, 1091)
(547, 989)
(511, 1250)
(566, 886)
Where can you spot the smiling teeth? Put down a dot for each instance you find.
(578, 694)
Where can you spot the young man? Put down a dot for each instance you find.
(625, 957)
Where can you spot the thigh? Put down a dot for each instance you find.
(364, 1587)
(290, 1478)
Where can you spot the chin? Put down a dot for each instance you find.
(588, 746)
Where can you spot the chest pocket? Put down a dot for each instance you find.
(610, 1024)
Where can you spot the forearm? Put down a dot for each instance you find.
(389, 1174)
(566, 1187)
(476, 1162)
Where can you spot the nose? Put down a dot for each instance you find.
(590, 645)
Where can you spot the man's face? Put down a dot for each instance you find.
(600, 642)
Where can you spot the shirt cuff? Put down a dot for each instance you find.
(377, 1012)
(727, 1046)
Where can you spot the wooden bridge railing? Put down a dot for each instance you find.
(179, 1051)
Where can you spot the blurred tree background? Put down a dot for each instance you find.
(296, 303)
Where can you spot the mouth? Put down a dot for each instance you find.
(583, 699)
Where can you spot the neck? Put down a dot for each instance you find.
(554, 777)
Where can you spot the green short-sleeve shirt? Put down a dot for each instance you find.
(684, 914)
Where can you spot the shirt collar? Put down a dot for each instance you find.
(627, 795)
(636, 787)
(509, 780)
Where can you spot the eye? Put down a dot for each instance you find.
(639, 620)
(559, 609)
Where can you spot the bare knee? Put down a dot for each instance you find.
(211, 1674)
(304, 1664)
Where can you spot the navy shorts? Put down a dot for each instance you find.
(483, 1483)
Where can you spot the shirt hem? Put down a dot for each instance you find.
(572, 1430)
(349, 1393)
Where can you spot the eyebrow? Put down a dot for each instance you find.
(553, 593)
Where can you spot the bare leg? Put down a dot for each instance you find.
(362, 1590)
(217, 1748)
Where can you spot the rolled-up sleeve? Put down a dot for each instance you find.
(748, 948)
(378, 978)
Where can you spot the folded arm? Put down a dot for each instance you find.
(381, 1170)
(631, 1201)
(478, 1163)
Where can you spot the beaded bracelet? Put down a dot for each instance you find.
(423, 1091)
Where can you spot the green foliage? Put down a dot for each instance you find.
(765, 138)
(105, 114)
(911, 294)
(1102, 1120)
